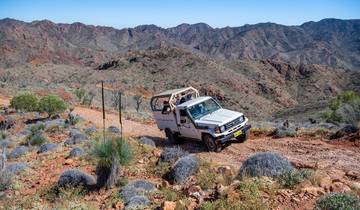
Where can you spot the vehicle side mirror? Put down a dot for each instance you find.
(183, 121)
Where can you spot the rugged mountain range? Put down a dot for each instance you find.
(331, 42)
(258, 69)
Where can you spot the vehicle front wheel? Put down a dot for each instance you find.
(211, 144)
(243, 137)
(172, 137)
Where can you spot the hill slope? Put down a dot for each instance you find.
(330, 42)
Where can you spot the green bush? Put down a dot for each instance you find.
(25, 101)
(36, 140)
(2, 135)
(345, 99)
(291, 178)
(79, 93)
(36, 128)
(52, 104)
(338, 201)
(106, 151)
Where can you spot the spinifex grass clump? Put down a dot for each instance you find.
(111, 154)
(291, 178)
(265, 164)
(338, 201)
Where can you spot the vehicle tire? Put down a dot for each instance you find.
(172, 137)
(211, 144)
(242, 138)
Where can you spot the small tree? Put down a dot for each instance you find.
(25, 101)
(138, 99)
(79, 93)
(52, 105)
(88, 98)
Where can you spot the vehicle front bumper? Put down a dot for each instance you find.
(228, 137)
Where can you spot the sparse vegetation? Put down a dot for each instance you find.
(138, 100)
(36, 140)
(115, 147)
(88, 98)
(291, 178)
(79, 93)
(36, 128)
(338, 201)
(206, 176)
(52, 105)
(5, 176)
(246, 196)
(345, 108)
(25, 101)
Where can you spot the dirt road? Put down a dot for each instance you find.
(308, 152)
(319, 153)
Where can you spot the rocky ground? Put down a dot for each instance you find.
(38, 169)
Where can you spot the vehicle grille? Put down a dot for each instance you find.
(234, 123)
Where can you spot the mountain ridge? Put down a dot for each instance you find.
(331, 42)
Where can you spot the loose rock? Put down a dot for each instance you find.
(75, 178)
(147, 141)
(47, 147)
(136, 188)
(18, 151)
(113, 129)
(183, 168)
(15, 168)
(172, 154)
(76, 152)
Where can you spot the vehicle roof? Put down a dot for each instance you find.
(194, 101)
(173, 91)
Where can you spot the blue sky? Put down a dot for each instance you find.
(216, 13)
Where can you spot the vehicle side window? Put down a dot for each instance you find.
(183, 113)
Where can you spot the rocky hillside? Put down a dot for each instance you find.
(330, 42)
(258, 88)
(258, 69)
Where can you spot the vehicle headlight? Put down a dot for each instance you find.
(222, 128)
(219, 129)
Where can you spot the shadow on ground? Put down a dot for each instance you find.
(191, 146)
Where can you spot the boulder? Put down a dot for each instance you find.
(114, 129)
(4, 143)
(90, 130)
(265, 164)
(183, 168)
(18, 151)
(136, 188)
(56, 122)
(76, 152)
(346, 130)
(75, 178)
(283, 131)
(147, 141)
(75, 137)
(15, 168)
(47, 147)
(172, 154)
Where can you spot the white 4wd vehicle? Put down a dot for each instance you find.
(183, 113)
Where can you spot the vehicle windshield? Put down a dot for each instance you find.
(199, 110)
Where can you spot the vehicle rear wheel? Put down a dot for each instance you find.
(211, 144)
(172, 137)
(242, 138)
